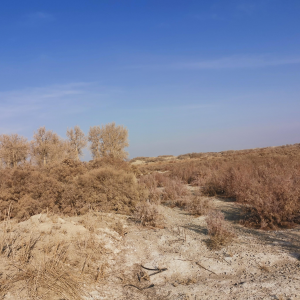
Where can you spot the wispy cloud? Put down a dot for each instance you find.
(32, 100)
(240, 61)
(229, 62)
(173, 108)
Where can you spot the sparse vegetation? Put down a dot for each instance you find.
(60, 261)
(219, 230)
(147, 214)
(199, 205)
(265, 180)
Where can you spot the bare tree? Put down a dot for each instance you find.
(13, 149)
(109, 140)
(95, 139)
(77, 140)
(47, 147)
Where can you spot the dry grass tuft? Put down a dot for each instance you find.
(40, 266)
(48, 280)
(199, 205)
(119, 228)
(147, 214)
(219, 230)
(174, 189)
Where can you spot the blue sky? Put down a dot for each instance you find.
(182, 75)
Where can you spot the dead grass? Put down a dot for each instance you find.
(174, 189)
(219, 230)
(199, 205)
(48, 280)
(147, 215)
(119, 228)
(41, 266)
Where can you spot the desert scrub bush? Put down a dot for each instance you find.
(269, 188)
(199, 205)
(70, 188)
(147, 215)
(174, 189)
(150, 183)
(28, 191)
(108, 161)
(108, 189)
(267, 184)
(219, 230)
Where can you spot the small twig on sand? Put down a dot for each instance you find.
(158, 270)
(140, 289)
(198, 264)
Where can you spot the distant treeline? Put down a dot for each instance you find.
(47, 147)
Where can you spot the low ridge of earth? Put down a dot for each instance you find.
(174, 261)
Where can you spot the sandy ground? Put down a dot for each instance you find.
(256, 265)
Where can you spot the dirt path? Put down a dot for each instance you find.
(257, 265)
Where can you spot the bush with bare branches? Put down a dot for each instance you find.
(219, 230)
(147, 214)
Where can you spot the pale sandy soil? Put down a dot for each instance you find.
(257, 265)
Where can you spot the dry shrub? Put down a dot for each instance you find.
(266, 181)
(147, 214)
(199, 205)
(151, 184)
(186, 171)
(171, 189)
(42, 267)
(28, 191)
(71, 187)
(107, 189)
(48, 280)
(109, 161)
(66, 171)
(219, 230)
(174, 189)
(270, 189)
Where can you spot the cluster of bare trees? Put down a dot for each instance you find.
(47, 147)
